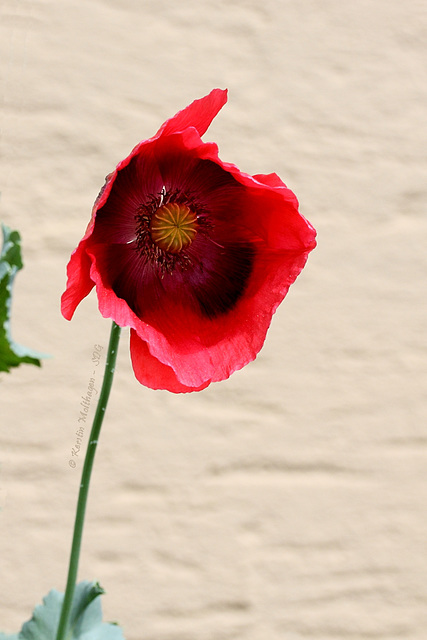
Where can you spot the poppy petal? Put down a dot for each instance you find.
(116, 218)
(199, 114)
(79, 283)
(152, 373)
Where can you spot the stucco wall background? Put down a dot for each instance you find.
(290, 501)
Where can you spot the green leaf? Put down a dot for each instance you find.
(11, 354)
(85, 620)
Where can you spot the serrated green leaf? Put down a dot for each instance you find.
(44, 622)
(11, 354)
(85, 620)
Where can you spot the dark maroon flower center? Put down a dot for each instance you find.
(167, 226)
(181, 247)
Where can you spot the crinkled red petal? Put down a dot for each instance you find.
(152, 373)
(199, 114)
(79, 283)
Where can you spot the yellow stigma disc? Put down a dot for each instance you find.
(173, 227)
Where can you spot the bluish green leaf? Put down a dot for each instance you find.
(11, 354)
(85, 620)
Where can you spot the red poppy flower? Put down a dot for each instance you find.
(190, 253)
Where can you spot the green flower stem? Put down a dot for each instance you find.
(110, 364)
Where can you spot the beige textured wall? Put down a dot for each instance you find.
(289, 502)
